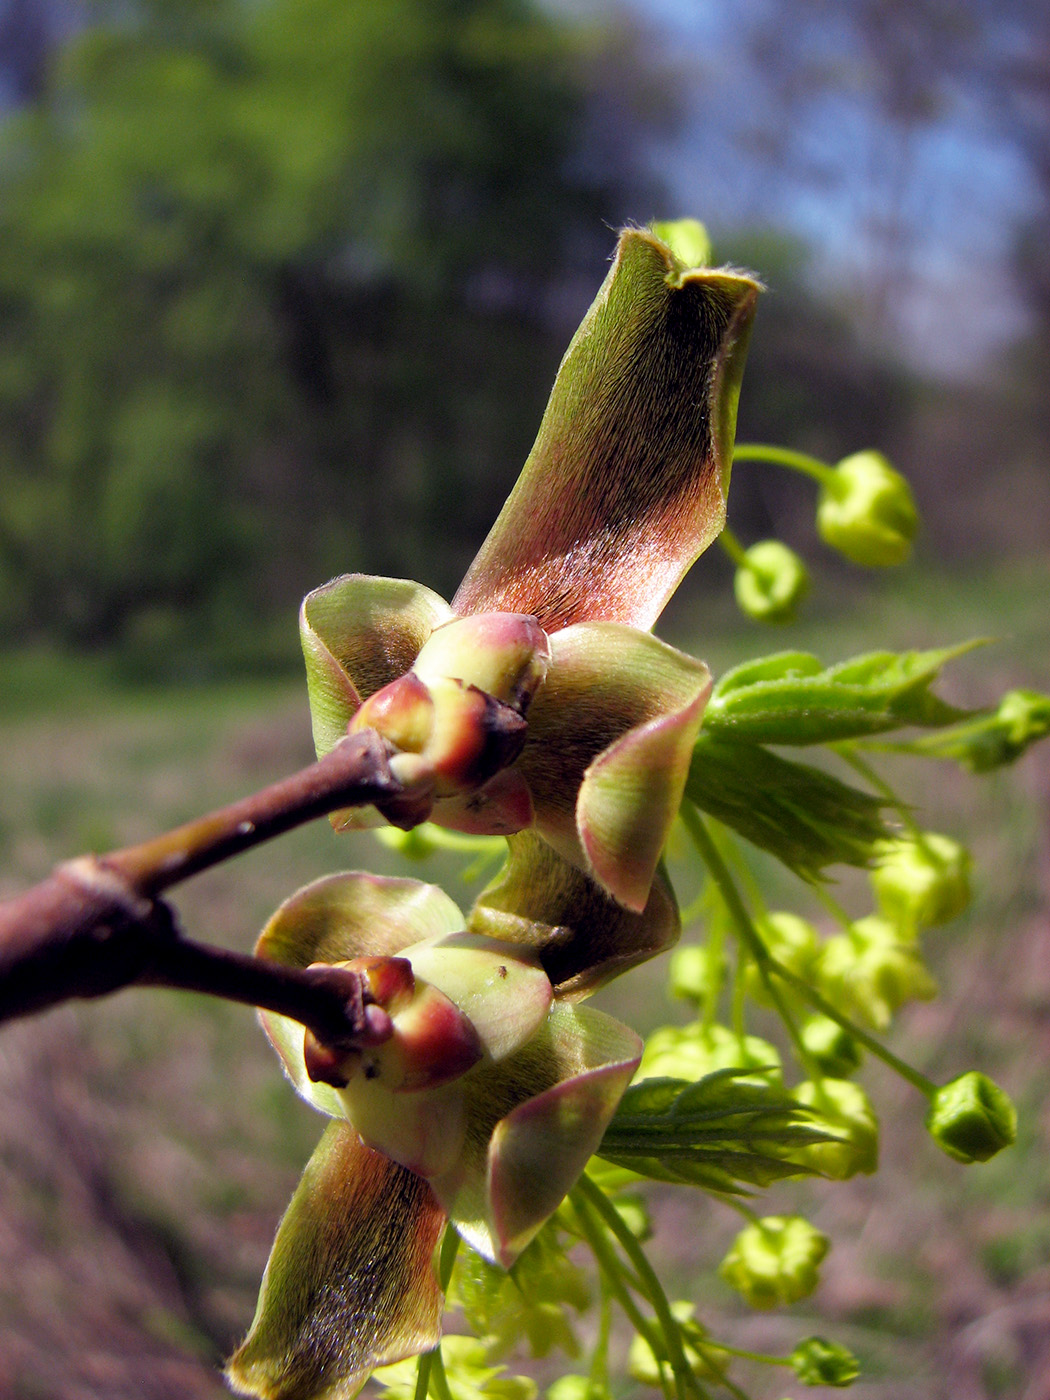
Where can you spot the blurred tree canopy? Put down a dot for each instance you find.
(276, 291)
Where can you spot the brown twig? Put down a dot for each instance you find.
(96, 924)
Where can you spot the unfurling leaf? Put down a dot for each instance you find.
(728, 1131)
(791, 698)
(803, 816)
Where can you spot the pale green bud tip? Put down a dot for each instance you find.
(919, 883)
(867, 512)
(775, 1260)
(819, 1362)
(574, 1388)
(1026, 715)
(693, 972)
(687, 240)
(841, 1109)
(833, 1049)
(972, 1118)
(771, 582)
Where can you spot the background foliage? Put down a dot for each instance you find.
(283, 285)
(274, 295)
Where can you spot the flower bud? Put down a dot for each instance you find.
(833, 1049)
(920, 883)
(869, 972)
(1025, 717)
(792, 941)
(842, 1109)
(1021, 719)
(775, 1260)
(770, 582)
(706, 1361)
(690, 1052)
(971, 1118)
(694, 971)
(867, 512)
(819, 1362)
(574, 1387)
(506, 655)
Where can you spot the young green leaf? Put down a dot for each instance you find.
(803, 816)
(719, 1133)
(791, 699)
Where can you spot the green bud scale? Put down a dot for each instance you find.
(972, 1118)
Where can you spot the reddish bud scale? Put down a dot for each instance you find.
(475, 736)
(327, 1065)
(402, 712)
(434, 1042)
(389, 982)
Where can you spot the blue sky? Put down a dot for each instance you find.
(913, 227)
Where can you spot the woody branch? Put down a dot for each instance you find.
(98, 924)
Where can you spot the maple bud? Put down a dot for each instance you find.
(867, 512)
(506, 655)
(922, 881)
(770, 582)
(775, 1260)
(971, 1118)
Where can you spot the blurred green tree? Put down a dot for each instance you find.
(254, 263)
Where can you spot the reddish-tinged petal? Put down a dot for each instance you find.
(629, 797)
(533, 1121)
(626, 483)
(350, 1284)
(500, 807)
(358, 634)
(582, 935)
(608, 682)
(335, 920)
